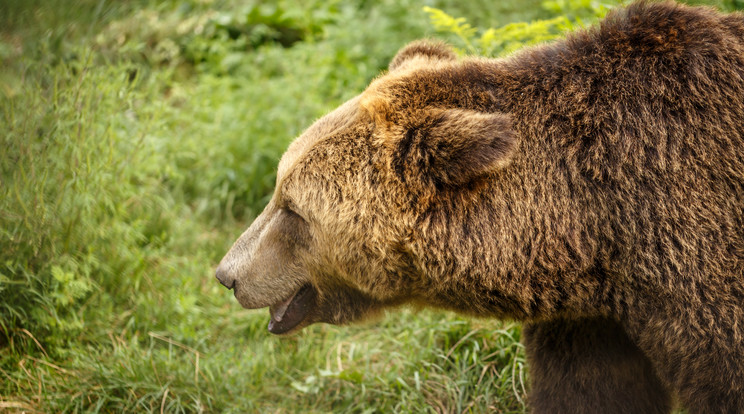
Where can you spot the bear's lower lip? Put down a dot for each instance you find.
(288, 314)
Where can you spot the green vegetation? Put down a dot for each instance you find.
(140, 138)
(515, 35)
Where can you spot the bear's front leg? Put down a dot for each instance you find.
(589, 366)
(697, 349)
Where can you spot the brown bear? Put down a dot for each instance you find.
(592, 188)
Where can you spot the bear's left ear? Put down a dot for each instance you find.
(423, 52)
(457, 146)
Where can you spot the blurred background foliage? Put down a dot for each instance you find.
(140, 138)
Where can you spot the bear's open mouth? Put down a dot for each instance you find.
(288, 313)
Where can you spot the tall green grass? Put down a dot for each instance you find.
(138, 141)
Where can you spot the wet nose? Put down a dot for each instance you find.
(224, 276)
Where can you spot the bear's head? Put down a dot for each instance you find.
(341, 238)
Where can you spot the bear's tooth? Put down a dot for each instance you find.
(281, 308)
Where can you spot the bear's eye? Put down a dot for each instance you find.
(294, 227)
(290, 210)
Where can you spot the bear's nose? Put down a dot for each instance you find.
(225, 277)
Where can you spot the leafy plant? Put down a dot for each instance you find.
(572, 14)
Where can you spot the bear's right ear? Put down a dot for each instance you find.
(462, 145)
(422, 51)
(451, 146)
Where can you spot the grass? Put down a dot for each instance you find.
(139, 140)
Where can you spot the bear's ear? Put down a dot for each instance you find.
(457, 146)
(424, 51)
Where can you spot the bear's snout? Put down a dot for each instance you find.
(225, 277)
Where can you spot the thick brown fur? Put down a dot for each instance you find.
(592, 188)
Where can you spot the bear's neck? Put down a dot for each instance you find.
(522, 243)
(510, 255)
